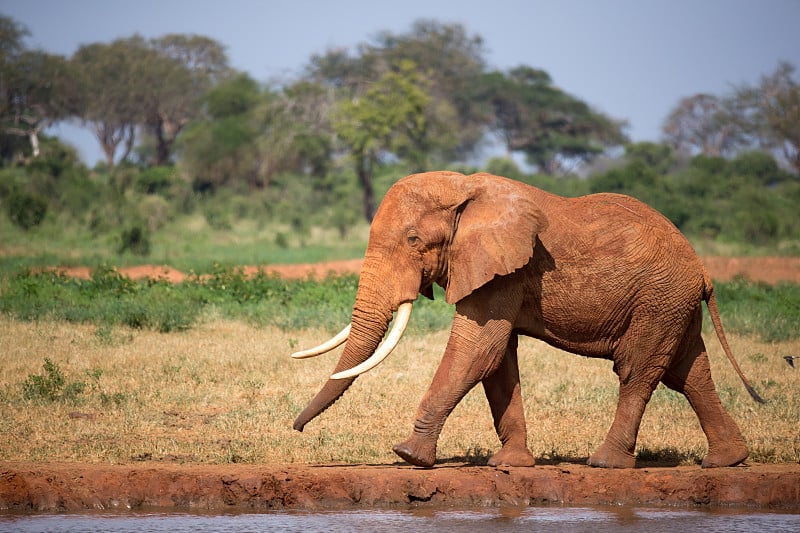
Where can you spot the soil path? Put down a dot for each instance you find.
(71, 487)
(767, 269)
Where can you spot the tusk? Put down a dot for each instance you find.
(326, 346)
(403, 314)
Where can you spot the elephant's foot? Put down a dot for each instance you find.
(510, 455)
(730, 456)
(608, 457)
(418, 451)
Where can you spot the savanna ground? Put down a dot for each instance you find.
(202, 418)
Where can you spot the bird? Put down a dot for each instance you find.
(790, 359)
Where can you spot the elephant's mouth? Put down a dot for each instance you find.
(426, 283)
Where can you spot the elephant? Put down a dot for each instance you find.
(602, 275)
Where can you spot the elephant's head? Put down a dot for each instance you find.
(437, 227)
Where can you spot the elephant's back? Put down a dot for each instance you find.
(616, 240)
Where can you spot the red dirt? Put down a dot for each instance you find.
(767, 269)
(28, 487)
(72, 487)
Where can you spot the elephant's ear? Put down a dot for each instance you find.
(495, 235)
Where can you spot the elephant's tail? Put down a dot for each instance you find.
(711, 302)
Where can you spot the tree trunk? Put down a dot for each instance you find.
(162, 145)
(365, 164)
(34, 138)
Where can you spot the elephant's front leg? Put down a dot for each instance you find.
(502, 389)
(475, 350)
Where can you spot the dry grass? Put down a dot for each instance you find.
(228, 392)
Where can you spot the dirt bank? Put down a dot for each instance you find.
(71, 487)
(766, 269)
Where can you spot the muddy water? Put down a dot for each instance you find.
(544, 519)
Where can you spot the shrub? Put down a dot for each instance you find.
(154, 180)
(52, 385)
(26, 210)
(155, 211)
(136, 240)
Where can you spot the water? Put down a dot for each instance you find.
(544, 519)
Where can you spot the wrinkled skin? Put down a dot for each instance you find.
(600, 276)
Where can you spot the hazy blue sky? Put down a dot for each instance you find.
(632, 59)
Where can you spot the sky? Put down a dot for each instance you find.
(631, 59)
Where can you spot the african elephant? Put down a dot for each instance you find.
(602, 275)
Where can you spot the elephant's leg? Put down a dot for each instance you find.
(691, 376)
(474, 352)
(617, 450)
(639, 375)
(502, 389)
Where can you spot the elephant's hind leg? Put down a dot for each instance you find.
(639, 375)
(617, 450)
(502, 389)
(691, 376)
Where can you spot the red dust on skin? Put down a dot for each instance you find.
(49, 487)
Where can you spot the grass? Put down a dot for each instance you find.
(109, 370)
(187, 243)
(227, 391)
(110, 299)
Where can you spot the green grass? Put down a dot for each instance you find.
(770, 312)
(108, 298)
(187, 243)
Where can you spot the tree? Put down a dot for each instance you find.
(221, 147)
(450, 60)
(702, 124)
(453, 61)
(297, 135)
(770, 113)
(183, 68)
(391, 116)
(153, 84)
(112, 87)
(549, 126)
(36, 88)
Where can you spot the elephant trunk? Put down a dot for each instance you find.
(370, 320)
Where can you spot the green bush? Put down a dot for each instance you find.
(26, 210)
(154, 180)
(52, 385)
(136, 240)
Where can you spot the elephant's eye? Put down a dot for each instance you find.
(413, 240)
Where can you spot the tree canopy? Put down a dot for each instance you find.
(549, 126)
(417, 100)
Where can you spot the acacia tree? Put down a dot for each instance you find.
(770, 112)
(392, 116)
(296, 133)
(703, 124)
(112, 87)
(36, 88)
(450, 59)
(549, 126)
(453, 61)
(182, 69)
(155, 85)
